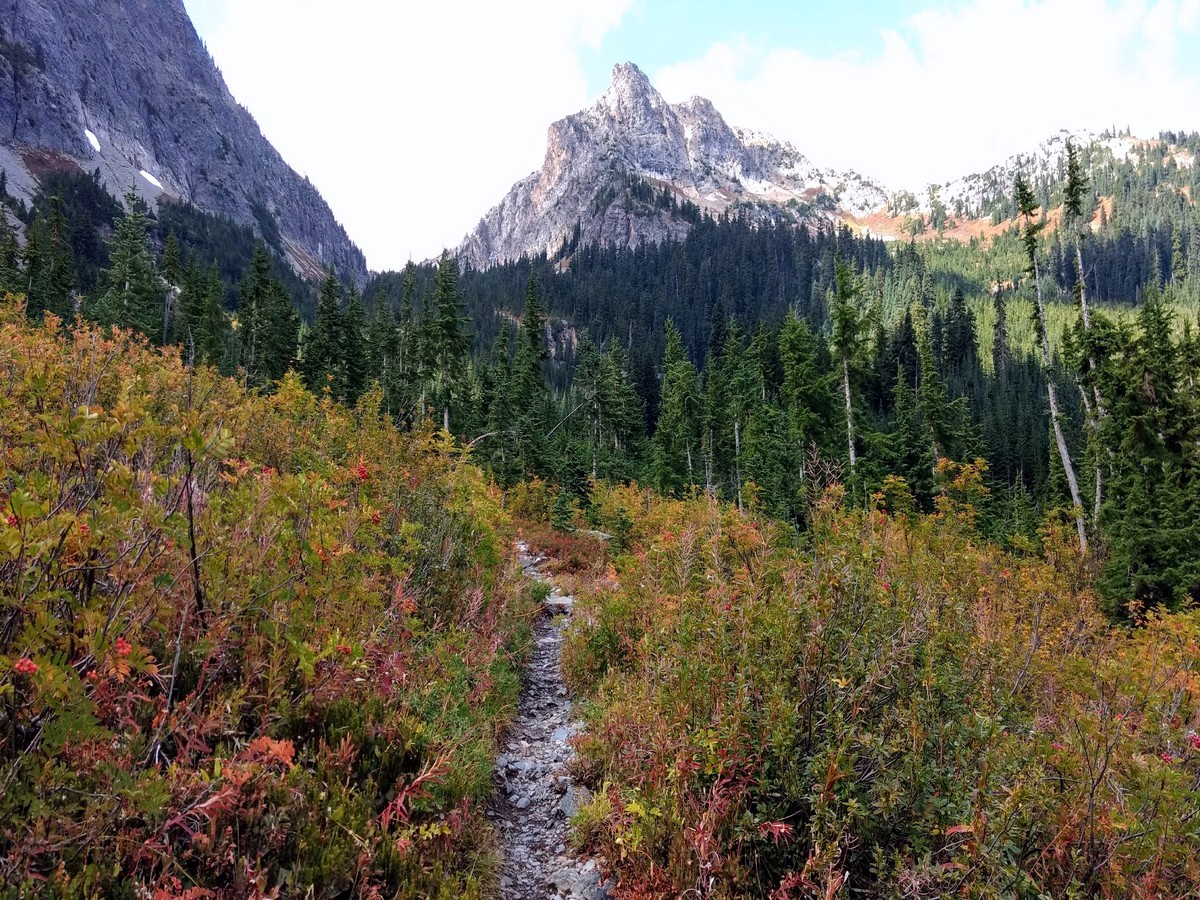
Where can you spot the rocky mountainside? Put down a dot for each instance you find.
(127, 87)
(974, 196)
(633, 168)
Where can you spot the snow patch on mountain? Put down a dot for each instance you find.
(92, 139)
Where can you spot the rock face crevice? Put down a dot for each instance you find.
(134, 78)
(535, 794)
(686, 149)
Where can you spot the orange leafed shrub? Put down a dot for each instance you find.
(234, 629)
(891, 706)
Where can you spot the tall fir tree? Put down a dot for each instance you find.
(352, 343)
(675, 446)
(848, 326)
(1027, 205)
(448, 342)
(321, 363)
(529, 393)
(133, 292)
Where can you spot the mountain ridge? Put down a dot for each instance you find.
(691, 161)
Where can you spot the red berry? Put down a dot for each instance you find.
(124, 648)
(26, 666)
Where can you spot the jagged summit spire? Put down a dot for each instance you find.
(631, 97)
(628, 74)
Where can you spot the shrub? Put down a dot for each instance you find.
(247, 643)
(898, 709)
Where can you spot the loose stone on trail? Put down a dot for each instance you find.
(535, 797)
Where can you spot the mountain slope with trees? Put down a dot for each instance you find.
(127, 90)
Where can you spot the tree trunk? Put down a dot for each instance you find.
(849, 411)
(1056, 418)
(1096, 416)
(446, 418)
(737, 459)
(708, 482)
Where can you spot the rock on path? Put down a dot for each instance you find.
(535, 797)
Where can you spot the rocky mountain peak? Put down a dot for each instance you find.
(630, 98)
(633, 168)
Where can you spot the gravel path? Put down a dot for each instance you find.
(535, 797)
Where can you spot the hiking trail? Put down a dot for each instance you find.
(535, 796)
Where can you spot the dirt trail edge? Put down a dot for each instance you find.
(535, 797)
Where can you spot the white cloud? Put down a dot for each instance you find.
(957, 91)
(411, 118)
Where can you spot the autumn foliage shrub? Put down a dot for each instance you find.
(250, 645)
(890, 706)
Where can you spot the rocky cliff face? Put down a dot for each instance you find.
(596, 160)
(126, 86)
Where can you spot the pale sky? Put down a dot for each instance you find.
(414, 119)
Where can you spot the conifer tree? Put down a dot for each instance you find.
(252, 315)
(1152, 511)
(410, 354)
(769, 460)
(10, 258)
(352, 342)
(847, 335)
(212, 336)
(383, 352)
(172, 273)
(674, 448)
(49, 264)
(1076, 212)
(528, 391)
(505, 462)
(321, 364)
(946, 421)
(1000, 334)
(625, 414)
(448, 342)
(172, 261)
(270, 326)
(808, 392)
(590, 388)
(912, 444)
(742, 390)
(133, 294)
(1027, 206)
